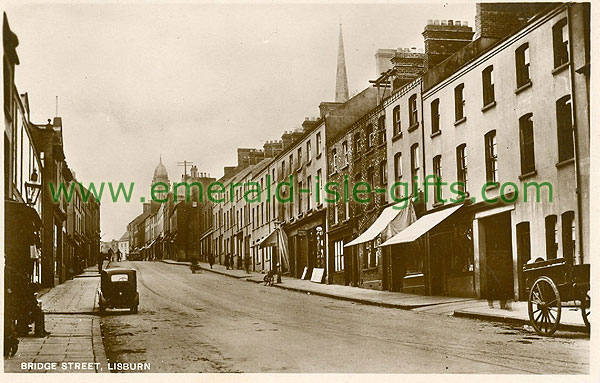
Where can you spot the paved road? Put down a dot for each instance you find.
(212, 323)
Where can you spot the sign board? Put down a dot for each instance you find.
(317, 275)
(304, 273)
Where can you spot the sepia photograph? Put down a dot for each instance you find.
(297, 188)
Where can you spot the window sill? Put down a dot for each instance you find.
(369, 151)
(357, 158)
(333, 173)
(435, 134)
(527, 85)
(319, 155)
(438, 204)
(458, 122)
(308, 162)
(320, 206)
(300, 215)
(488, 106)
(560, 68)
(397, 136)
(493, 186)
(344, 167)
(382, 145)
(367, 269)
(528, 175)
(413, 127)
(298, 170)
(309, 210)
(566, 162)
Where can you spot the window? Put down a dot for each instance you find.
(560, 42)
(564, 127)
(338, 256)
(334, 160)
(335, 213)
(291, 163)
(300, 197)
(437, 173)
(522, 61)
(299, 158)
(308, 151)
(383, 173)
(381, 129)
(551, 237)
(345, 152)
(396, 119)
(459, 102)
(435, 116)
(371, 181)
(412, 110)
(526, 143)
(487, 77)
(310, 192)
(282, 168)
(347, 208)
(318, 143)
(369, 134)
(319, 186)
(398, 166)
(568, 236)
(356, 145)
(414, 162)
(491, 157)
(461, 166)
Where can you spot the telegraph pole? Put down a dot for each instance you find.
(185, 164)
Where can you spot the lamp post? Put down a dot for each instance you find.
(32, 189)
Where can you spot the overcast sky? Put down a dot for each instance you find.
(193, 82)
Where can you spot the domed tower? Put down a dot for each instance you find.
(161, 175)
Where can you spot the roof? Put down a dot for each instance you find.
(124, 237)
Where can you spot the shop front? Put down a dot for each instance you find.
(307, 246)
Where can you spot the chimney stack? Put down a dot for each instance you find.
(444, 38)
(498, 20)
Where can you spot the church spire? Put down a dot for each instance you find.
(341, 80)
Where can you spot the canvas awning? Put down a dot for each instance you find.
(384, 220)
(269, 240)
(421, 226)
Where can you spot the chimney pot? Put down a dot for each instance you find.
(450, 22)
(465, 23)
(444, 22)
(458, 23)
(429, 22)
(436, 22)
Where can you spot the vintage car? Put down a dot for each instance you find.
(118, 289)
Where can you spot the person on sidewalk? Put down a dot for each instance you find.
(100, 261)
(247, 263)
(226, 261)
(211, 260)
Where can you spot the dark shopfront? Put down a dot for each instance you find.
(436, 260)
(342, 262)
(303, 241)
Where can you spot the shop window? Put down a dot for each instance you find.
(338, 256)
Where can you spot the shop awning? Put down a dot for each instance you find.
(269, 240)
(421, 226)
(398, 213)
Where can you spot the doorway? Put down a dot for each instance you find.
(498, 254)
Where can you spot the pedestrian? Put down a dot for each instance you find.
(498, 277)
(247, 263)
(100, 261)
(211, 260)
(231, 263)
(226, 261)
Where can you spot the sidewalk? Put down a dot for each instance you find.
(74, 328)
(473, 308)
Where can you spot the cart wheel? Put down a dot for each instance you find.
(544, 306)
(586, 303)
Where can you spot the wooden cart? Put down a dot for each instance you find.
(553, 285)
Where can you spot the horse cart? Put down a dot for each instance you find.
(553, 285)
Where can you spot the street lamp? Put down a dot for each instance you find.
(32, 189)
